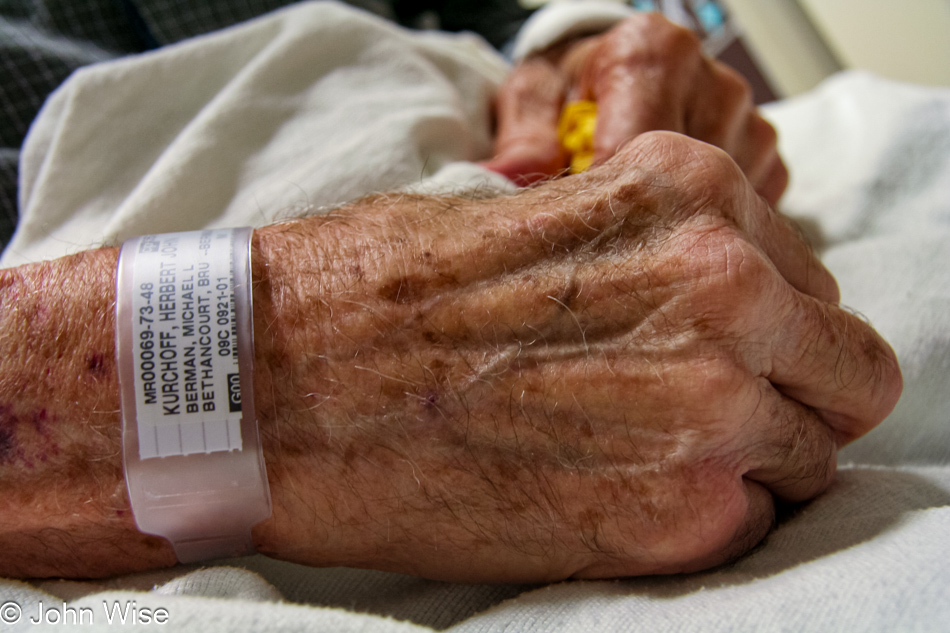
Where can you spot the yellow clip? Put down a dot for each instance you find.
(575, 131)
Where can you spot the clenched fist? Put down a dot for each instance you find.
(611, 374)
(646, 73)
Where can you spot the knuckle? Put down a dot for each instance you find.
(808, 458)
(522, 80)
(650, 37)
(705, 162)
(664, 35)
(728, 277)
(748, 270)
(671, 151)
(534, 81)
(733, 85)
(762, 133)
(714, 169)
(886, 380)
(808, 442)
(705, 177)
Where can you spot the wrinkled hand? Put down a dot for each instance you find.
(607, 375)
(644, 74)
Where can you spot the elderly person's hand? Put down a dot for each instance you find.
(612, 374)
(607, 375)
(644, 74)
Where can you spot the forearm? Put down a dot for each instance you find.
(65, 507)
(590, 378)
(348, 378)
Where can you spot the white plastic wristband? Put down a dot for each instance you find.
(185, 353)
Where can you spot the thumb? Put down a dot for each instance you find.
(528, 108)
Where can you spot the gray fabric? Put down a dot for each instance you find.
(278, 115)
(170, 21)
(9, 158)
(39, 48)
(43, 41)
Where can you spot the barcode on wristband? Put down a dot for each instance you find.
(184, 341)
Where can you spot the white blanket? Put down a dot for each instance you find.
(318, 104)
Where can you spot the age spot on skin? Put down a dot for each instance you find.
(411, 288)
(408, 289)
(352, 454)
(404, 289)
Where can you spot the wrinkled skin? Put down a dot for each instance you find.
(610, 374)
(645, 74)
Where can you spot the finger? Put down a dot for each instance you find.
(640, 78)
(773, 184)
(757, 155)
(528, 108)
(754, 525)
(721, 112)
(835, 363)
(758, 522)
(629, 106)
(718, 109)
(793, 452)
(784, 245)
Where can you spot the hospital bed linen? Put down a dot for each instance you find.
(318, 104)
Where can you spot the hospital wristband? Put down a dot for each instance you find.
(192, 454)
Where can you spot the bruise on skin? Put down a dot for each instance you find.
(436, 381)
(39, 420)
(12, 447)
(8, 445)
(96, 365)
(429, 399)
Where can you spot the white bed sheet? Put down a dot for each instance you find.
(259, 122)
